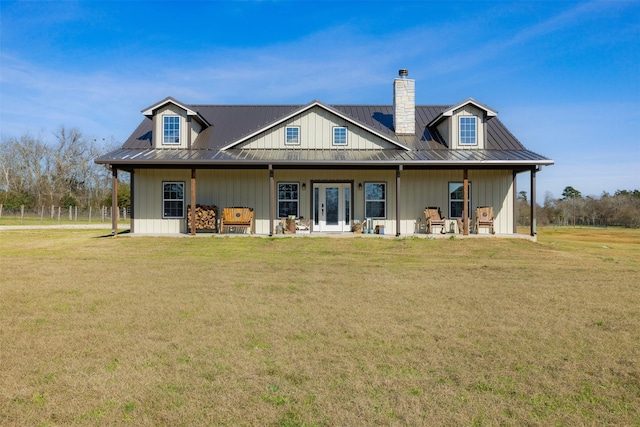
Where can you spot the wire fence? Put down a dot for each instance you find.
(60, 214)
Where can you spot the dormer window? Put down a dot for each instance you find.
(292, 135)
(468, 130)
(171, 130)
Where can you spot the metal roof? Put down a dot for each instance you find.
(230, 124)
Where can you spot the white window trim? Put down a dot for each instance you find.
(288, 200)
(173, 200)
(475, 120)
(375, 200)
(346, 136)
(164, 141)
(286, 142)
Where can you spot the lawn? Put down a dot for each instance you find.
(319, 331)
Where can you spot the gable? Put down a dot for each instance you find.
(464, 126)
(316, 129)
(187, 129)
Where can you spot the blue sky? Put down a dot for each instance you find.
(564, 76)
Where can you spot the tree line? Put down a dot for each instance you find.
(36, 174)
(622, 208)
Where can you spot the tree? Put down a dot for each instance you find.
(570, 193)
(523, 208)
(36, 174)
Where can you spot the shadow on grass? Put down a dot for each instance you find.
(111, 234)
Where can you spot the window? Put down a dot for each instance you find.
(339, 136)
(287, 199)
(173, 199)
(171, 126)
(292, 135)
(375, 204)
(456, 200)
(468, 130)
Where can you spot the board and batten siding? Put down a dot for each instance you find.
(422, 188)
(316, 132)
(250, 188)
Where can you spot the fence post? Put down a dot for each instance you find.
(89, 213)
(53, 210)
(21, 213)
(59, 210)
(0, 210)
(70, 213)
(41, 213)
(75, 213)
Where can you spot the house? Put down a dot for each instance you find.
(328, 164)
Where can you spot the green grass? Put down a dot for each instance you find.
(319, 331)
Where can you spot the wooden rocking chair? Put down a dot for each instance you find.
(484, 218)
(434, 218)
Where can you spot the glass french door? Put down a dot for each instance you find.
(332, 207)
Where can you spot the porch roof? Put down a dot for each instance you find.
(318, 158)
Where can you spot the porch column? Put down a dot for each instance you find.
(132, 197)
(533, 201)
(398, 200)
(114, 201)
(272, 189)
(514, 184)
(465, 202)
(193, 202)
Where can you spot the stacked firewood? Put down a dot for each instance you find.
(206, 217)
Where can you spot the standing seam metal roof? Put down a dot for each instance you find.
(233, 123)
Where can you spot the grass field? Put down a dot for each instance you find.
(319, 331)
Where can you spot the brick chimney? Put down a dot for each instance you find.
(404, 104)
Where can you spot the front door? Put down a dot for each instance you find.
(332, 207)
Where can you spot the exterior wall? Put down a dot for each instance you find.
(147, 201)
(195, 128)
(316, 132)
(250, 188)
(422, 188)
(355, 177)
(223, 188)
(444, 129)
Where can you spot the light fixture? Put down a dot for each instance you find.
(304, 185)
(360, 186)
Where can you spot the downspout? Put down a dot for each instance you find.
(114, 202)
(193, 202)
(272, 189)
(132, 197)
(514, 184)
(465, 201)
(398, 200)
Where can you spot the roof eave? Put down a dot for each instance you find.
(150, 111)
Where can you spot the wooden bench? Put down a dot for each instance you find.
(237, 218)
